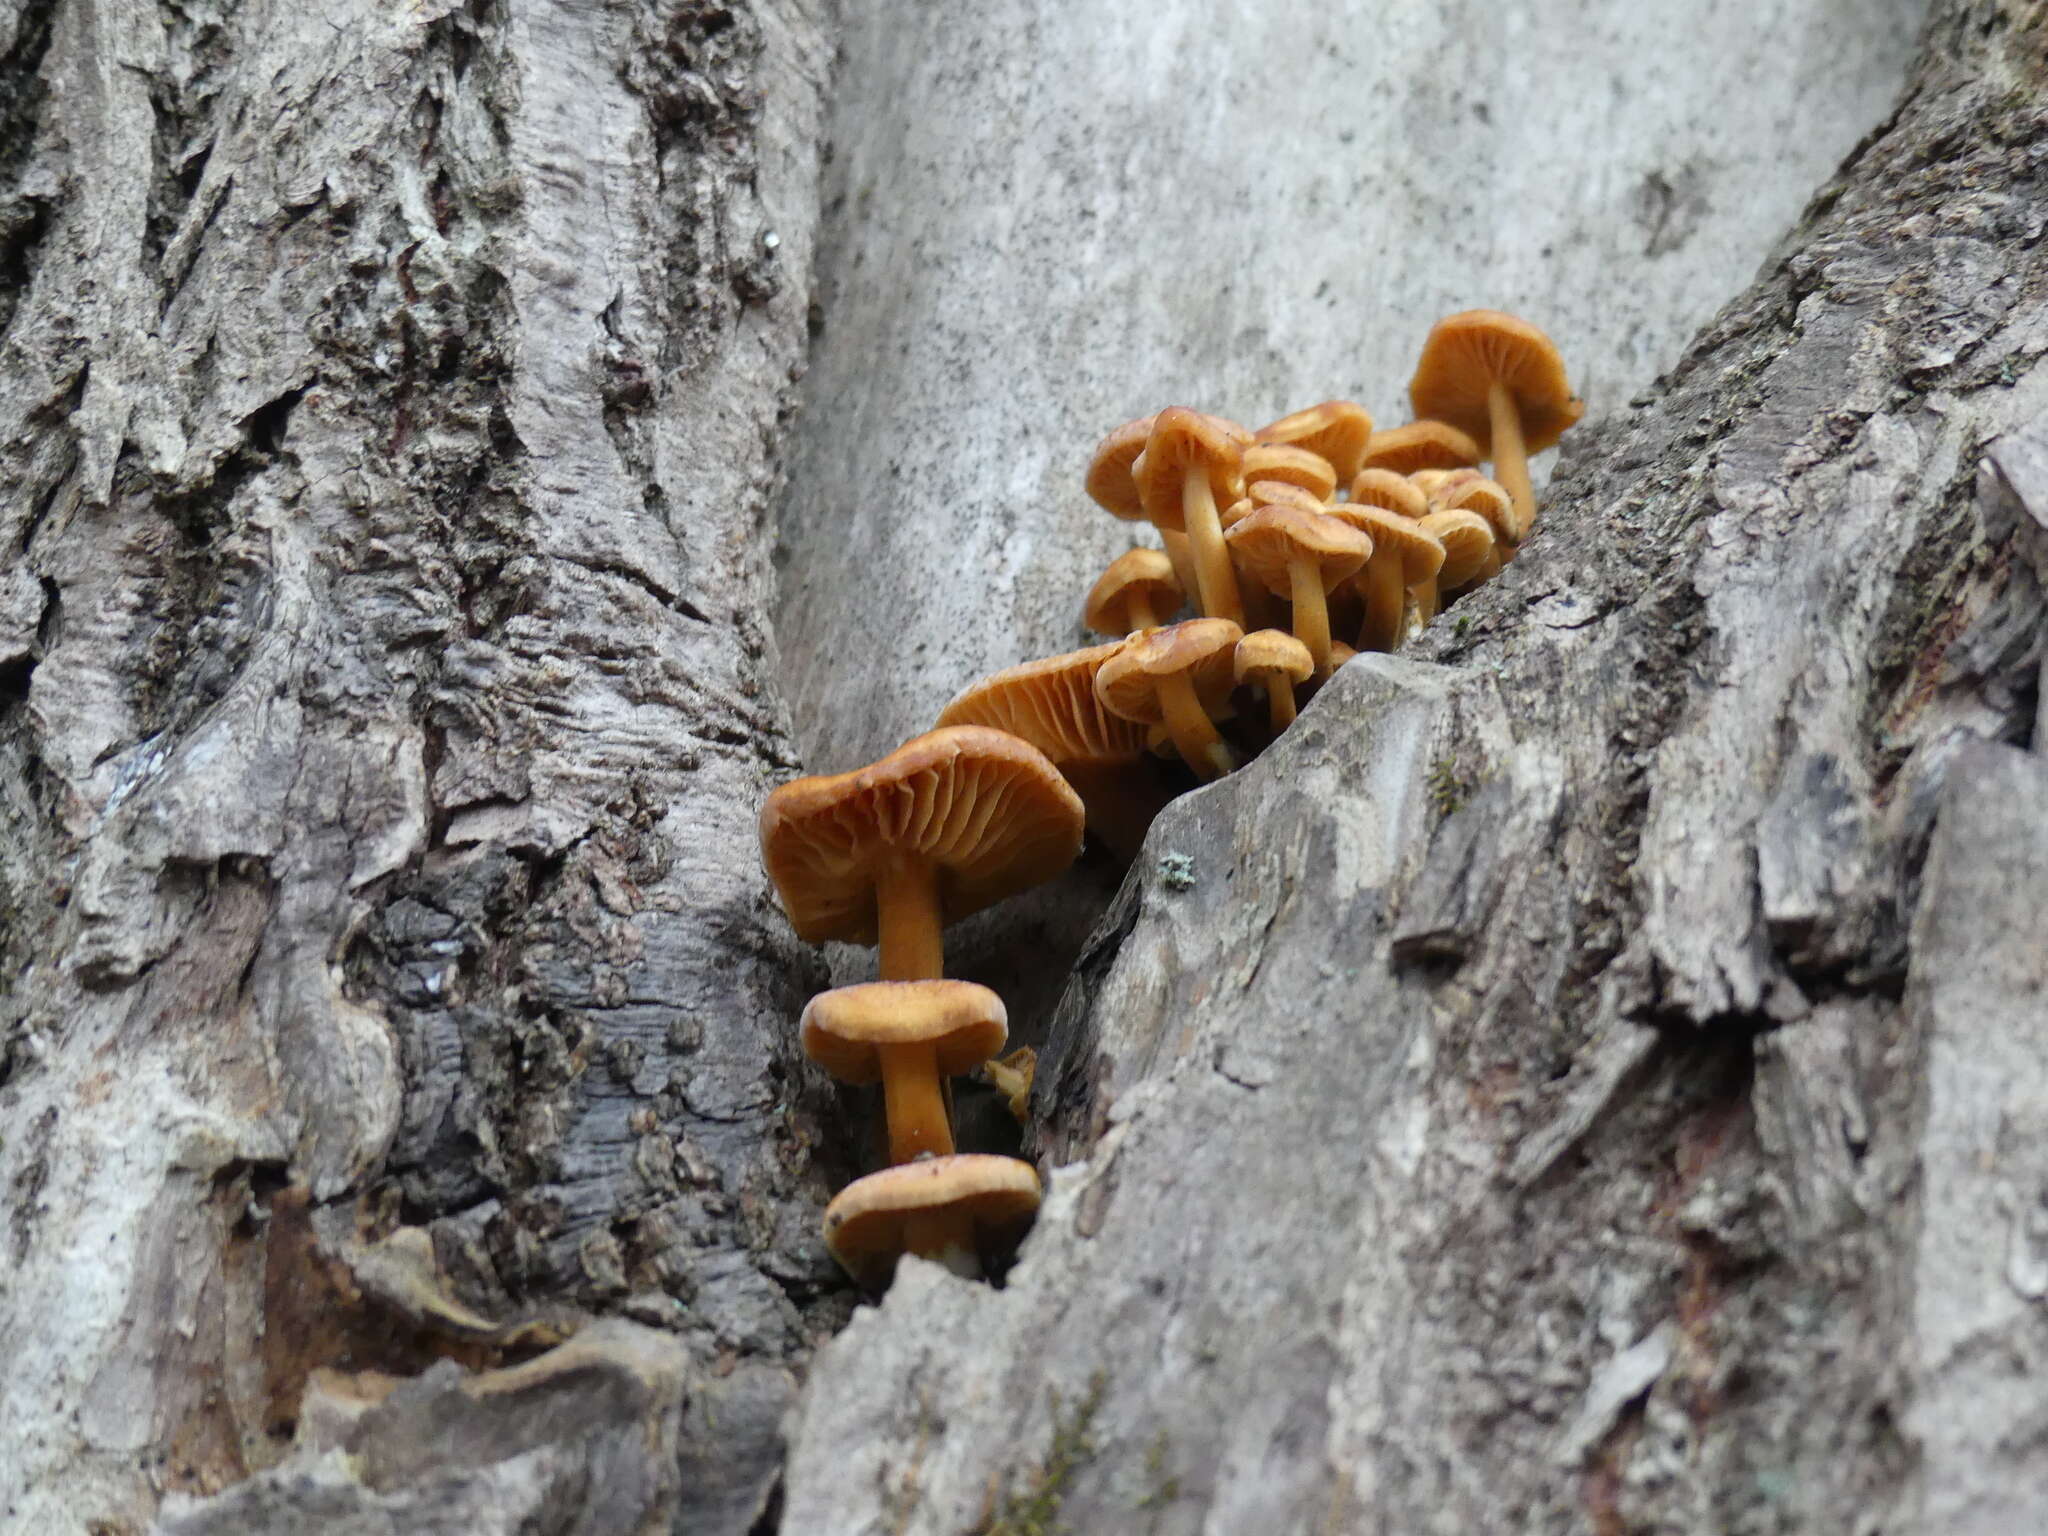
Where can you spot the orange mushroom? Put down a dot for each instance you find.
(1500, 379)
(1138, 591)
(947, 1209)
(1420, 445)
(911, 1035)
(1192, 464)
(1276, 663)
(1403, 554)
(1336, 430)
(1179, 677)
(1302, 554)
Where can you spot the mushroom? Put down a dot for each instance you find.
(1110, 486)
(912, 1035)
(1302, 554)
(1138, 591)
(1500, 379)
(946, 824)
(1336, 430)
(1295, 466)
(1192, 464)
(1181, 677)
(1404, 553)
(1467, 539)
(1276, 662)
(1420, 445)
(1490, 500)
(1052, 704)
(1384, 488)
(947, 1209)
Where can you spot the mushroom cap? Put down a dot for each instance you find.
(1421, 445)
(1428, 480)
(1109, 479)
(965, 1024)
(1463, 356)
(1268, 543)
(1128, 684)
(1341, 652)
(1422, 556)
(865, 1223)
(1337, 430)
(1296, 466)
(1489, 499)
(985, 807)
(1268, 653)
(1107, 609)
(1269, 493)
(1467, 539)
(1181, 440)
(1051, 703)
(1384, 488)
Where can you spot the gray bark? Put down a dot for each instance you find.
(1588, 1076)
(386, 421)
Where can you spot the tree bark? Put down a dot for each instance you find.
(1588, 1076)
(386, 425)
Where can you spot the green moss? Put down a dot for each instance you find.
(1448, 788)
(1033, 1509)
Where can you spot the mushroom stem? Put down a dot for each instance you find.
(1142, 614)
(914, 1103)
(1311, 612)
(1427, 599)
(1386, 603)
(1510, 460)
(1280, 702)
(1215, 581)
(1175, 543)
(945, 1236)
(1193, 732)
(907, 907)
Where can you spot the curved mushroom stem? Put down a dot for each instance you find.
(1193, 732)
(1510, 460)
(945, 1236)
(1386, 604)
(1175, 543)
(914, 1102)
(907, 908)
(1311, 620)
(1141, 613)
(1215, 581)
(1279, 701)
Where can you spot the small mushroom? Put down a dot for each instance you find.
(1311, 472)
(1336, 430)
(1500, 379)
(1192, 464)
(947, 1209)
(1404, 553)
(1476, 493)
(1181, 677)
(912, 1035)
(1420, 445)
(1138, 591)
(1051, 703)
(1467, 539)
(948, 823)
(1110, 486)
(1276, 663)
(1303, 555)
(1383, 488)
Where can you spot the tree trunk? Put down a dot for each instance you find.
(1579, 1080)
(1588, 1076)
(385, 428)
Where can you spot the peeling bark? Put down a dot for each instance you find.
(386, 427)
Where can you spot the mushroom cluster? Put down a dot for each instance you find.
(996, 797)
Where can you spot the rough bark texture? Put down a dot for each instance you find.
(386, 412)
(1588, 1076)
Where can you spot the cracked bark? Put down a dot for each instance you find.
(1581, 1080)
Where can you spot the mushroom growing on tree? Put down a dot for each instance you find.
(1052, 704)
(947, 1209)
(1404, 553)
(1138, 591)
(1110, 486)
(1302, 555)
(1336, 431)
(888, 854)
(1192, 465)
(1500, 379)
(1468, 541)
(1275, 663)
(912, 1036)
(1296, 466)
(1420, 445)
(1179, 677)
